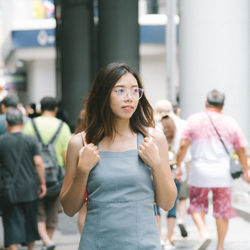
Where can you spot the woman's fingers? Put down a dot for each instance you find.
(148, 139)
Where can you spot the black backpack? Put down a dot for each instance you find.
(54, 173)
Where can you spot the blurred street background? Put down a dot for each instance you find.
(181, 48)
(67, 236)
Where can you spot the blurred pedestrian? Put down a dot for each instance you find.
(183, 195)
(31, 110)
(20, 157)
(123, 164)
(47, 124)
(9, 101)
(173, 127)
(169, 129)
(209, 167)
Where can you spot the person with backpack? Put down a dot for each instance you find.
(53, 136)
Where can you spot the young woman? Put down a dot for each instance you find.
(123, 163)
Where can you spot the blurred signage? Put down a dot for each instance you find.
(152, 33)
(43, 9)
(46, 37)
(15, 81)
(33, 38)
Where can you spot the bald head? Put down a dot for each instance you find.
(163, 108)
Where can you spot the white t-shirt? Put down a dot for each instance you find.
(209, 166)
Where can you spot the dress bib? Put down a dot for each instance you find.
(120, 213)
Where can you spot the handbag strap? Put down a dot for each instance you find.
(220, 138)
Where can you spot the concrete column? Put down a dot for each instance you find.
(74, 41)
(170, 35)
(118, 32)
(39, 82)
(215, 53)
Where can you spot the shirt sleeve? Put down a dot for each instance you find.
(188, 131)
(240, 141)
(35, 146)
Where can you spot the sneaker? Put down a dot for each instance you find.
(51, 246)
(183, 230)
(203, 244)
(169, 245)
(162, 243)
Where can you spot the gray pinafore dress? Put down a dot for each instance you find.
(120, 212)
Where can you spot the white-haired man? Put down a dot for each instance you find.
(209, 167)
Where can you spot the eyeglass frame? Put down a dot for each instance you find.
(126, 92)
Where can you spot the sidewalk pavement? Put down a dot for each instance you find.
(237, 237)
(241, 199)
(67, 236)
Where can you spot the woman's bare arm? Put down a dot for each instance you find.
(74, 184)
(79, 162)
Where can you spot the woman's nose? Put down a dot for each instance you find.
(128, 95)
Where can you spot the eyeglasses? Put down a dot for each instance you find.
(135, 93)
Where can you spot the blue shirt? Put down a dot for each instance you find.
(3, 128)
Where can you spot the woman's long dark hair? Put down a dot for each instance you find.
(99, 118)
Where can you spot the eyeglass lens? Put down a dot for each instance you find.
(134, 92)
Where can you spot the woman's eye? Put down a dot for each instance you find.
(135, 90)
(120, 91)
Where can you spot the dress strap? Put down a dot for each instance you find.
(83, 138)
(140, 136)
(140, 139)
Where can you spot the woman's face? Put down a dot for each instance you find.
(124, 97)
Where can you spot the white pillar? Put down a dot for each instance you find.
(41, 80)
(171, 49)
(215, 53)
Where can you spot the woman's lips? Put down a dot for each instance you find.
(128, 108)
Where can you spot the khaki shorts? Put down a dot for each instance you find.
(183, 195)
(48, 209)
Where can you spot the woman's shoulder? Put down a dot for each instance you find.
(77, 140)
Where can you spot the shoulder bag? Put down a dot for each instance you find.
(235, 166)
